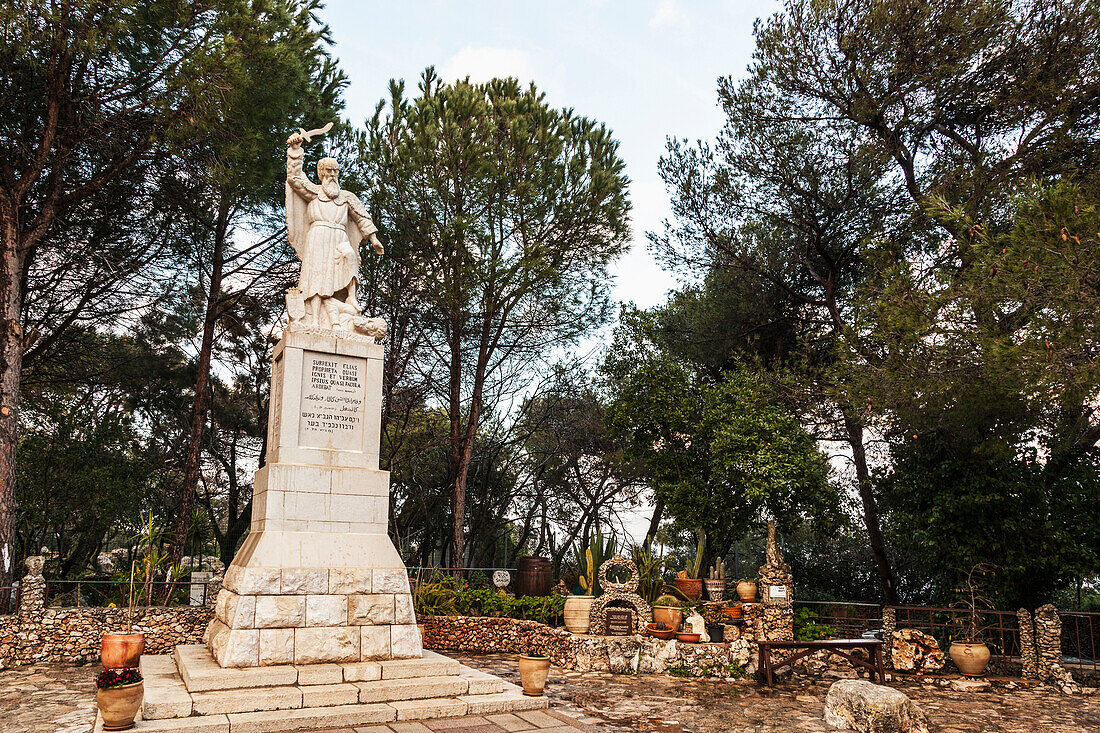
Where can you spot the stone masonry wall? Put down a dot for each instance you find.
(616, 654)
(480, 634)
(40, 634)
(73, 634)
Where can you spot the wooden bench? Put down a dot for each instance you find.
(873, 662)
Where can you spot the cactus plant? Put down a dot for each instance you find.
(589, 561)
(718, 570)
(692, 571)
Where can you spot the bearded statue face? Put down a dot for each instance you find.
(328, 171)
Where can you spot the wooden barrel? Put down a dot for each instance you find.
(533, 577)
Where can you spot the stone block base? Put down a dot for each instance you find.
(308, 615)
(191, 692)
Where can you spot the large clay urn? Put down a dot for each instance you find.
(746, 591)
(119, 705)
(970, 657)
(578, 613)
(533, 672)
(670, 616)
(120, 651)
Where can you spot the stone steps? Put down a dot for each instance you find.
(189, 692)
(337, 716)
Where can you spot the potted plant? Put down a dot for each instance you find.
(124, 650)
(533, 671)
(733, 612)
(659, 630)
(716, 583)
(746, 590)
(687, 580)
(119, 696)
(715, 618)
(667, 611)
(971, 654)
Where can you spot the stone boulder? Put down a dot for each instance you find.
(916, 651)
(656, 654)
(623, 654)
(870, 708)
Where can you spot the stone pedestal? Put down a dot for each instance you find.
(318, 579)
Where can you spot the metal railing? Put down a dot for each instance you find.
(999, 629)
(105, 593)
(1080, 640)
(850, 620)
(425, 574)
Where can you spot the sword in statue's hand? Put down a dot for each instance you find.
(296, 139)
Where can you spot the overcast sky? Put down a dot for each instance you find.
(648, 69)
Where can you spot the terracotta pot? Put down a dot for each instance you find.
(578, 613)
(656, 633)
(970, 657)
(690, 587)
(670, 616)
(716, 589)
(121, 651)
(688, 637)
(532, 674)
(746, 590)
(733, 613)
(119, 705)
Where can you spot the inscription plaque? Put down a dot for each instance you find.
(620, 622)
(777, 591)
(333, 401)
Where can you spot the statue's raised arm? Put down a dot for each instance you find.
(325, 226)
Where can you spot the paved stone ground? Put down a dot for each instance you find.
(48, 699)
(61, 699)
(669, 704)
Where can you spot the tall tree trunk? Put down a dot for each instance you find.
(202, 399)
(854, 429)
(461, 460)
(457, 450)
(11, 366)
(654, 521)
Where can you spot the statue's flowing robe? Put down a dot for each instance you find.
(325, 233)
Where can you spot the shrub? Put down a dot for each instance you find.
(448, 596)
(806, 627)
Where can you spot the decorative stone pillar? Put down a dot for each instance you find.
(1048, 646)
(32, 591)
(889, 623)
(1048, 640)
(776, 592)
(1027, 645)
